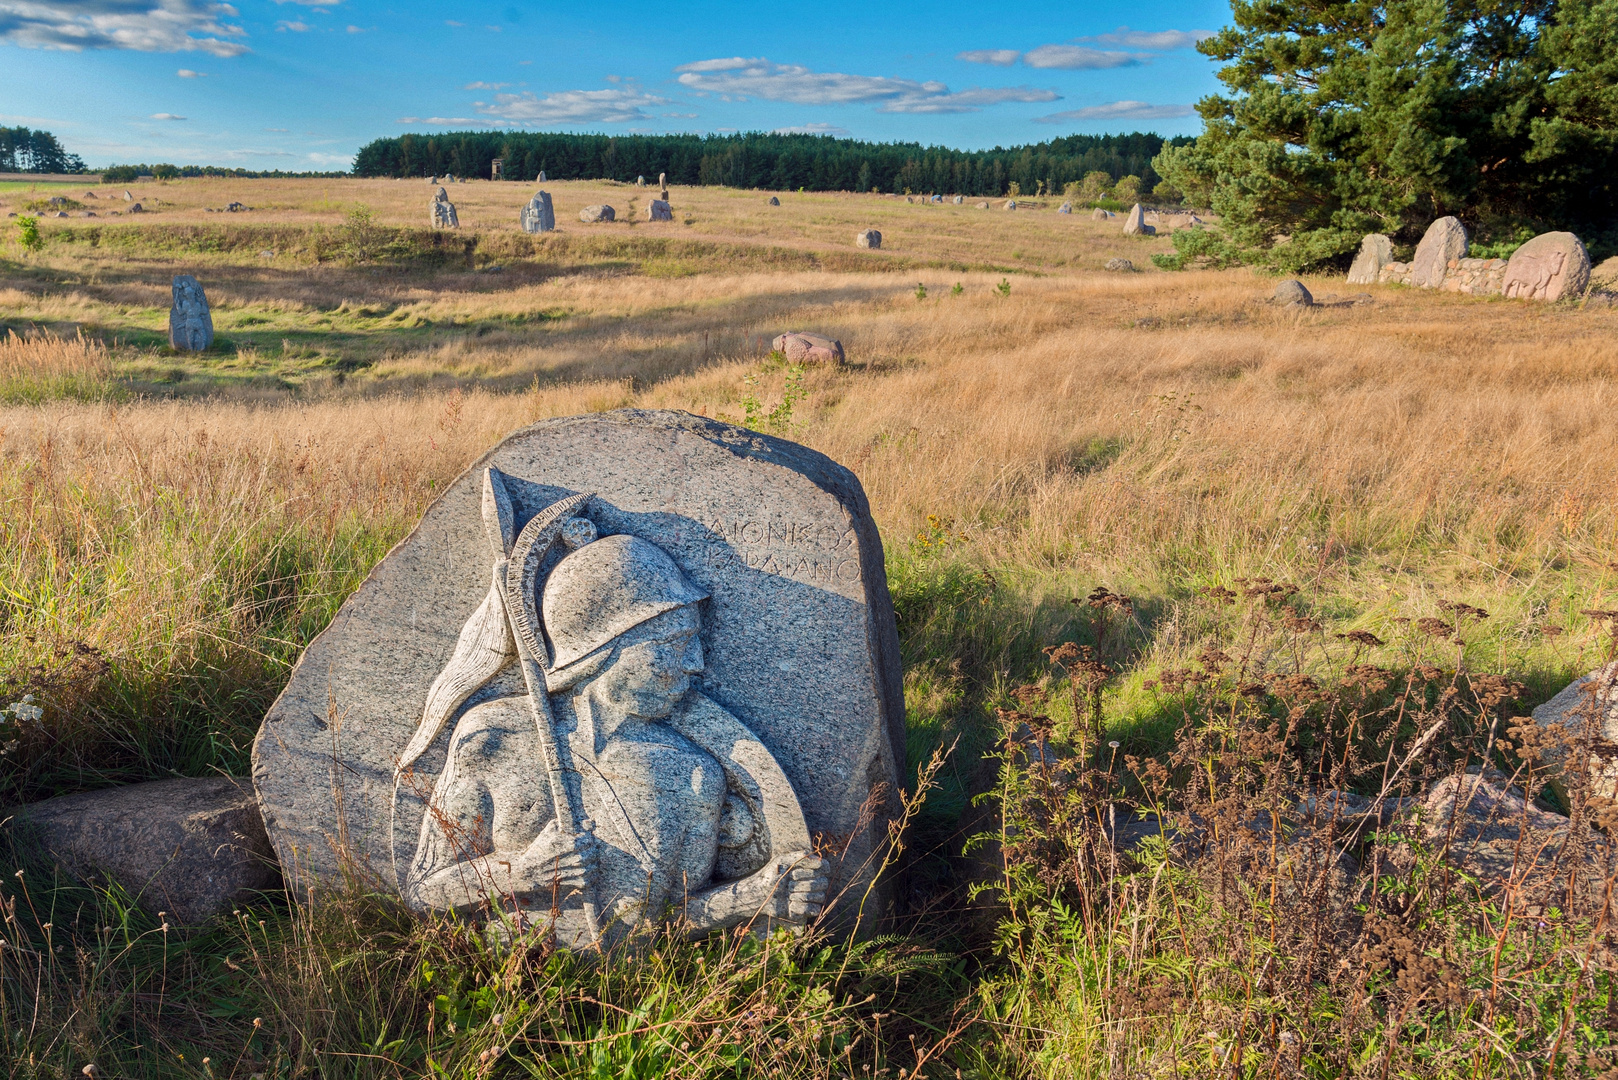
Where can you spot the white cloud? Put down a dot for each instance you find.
(452, 22)
(1118, 110)
(480, 85)
(187, 73)
(166, 116)
(740, 77)
(998, 57)
(681, 115)
(297, 26)
(283, 131)
(813, 129)
(1078, 58)
(345, 160)
(442, 120)
(1159, 40)
(140, 25)
(352, 29)
(311, 3)
(571, 107)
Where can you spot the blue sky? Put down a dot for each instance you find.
(299, 84)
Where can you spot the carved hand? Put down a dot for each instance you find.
(800, 880)
(566, 862)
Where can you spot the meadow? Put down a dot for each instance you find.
(1261, 484)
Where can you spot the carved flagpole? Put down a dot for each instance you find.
(520, 568)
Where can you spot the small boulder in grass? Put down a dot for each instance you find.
(591, 215)
(1586, 707)
(658, 210)
(868, 238)
(1120, 265)
(1293, 294)
(803, 348)
(774, 201)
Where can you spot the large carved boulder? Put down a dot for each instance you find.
(1376, 251)
(628, 667)
(600, 212)
(1549, 267)
(190, 323)
(442, 212)
(802, 348)
(1135, 223)
(1445, 241)
(538, 215)
(190, 848)
(659, 210)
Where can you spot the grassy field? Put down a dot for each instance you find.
(1028, 426)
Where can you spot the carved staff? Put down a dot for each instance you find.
(522, 571)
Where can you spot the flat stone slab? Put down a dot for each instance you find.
(795, 690)
(193, 848)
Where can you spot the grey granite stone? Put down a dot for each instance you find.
(539, 215)
(707, 620)
(663, 180)
(868, 238)
(1587, 706)
(1099, 214)
(958, 200)
(191, 848)
(659, 210)
(1065, 208)
(774, 201)
(190, 324)
(1011, 204)
(1293, 294)
(442, 212)
(1376, 251)
(1135, 223)
(1549, 267)
(1444, 242)
(1120, 265)
(590, 215)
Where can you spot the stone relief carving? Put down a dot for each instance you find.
(1530, 277)
(612, 793)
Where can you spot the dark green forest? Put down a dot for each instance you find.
(776, 161)
(25, 151)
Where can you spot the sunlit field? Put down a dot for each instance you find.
(1028, 425)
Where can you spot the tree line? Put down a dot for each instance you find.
(27, 151)
(765, 160)
(124, 174)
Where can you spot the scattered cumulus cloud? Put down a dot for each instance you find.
(311, 3)
(441, 120)
(480, 85)
(1156, 40)
(352, 29)
(997, 57)
(812, 129)
(681, 115)
(138, 25)
(741, 77)
(1078, 58)
(166, 116)
(187, 73)
(452, 22)
(297, 26)
(1118, 110)
(615, 106)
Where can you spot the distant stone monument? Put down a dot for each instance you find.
(1011, 204)
(599, 212)
(1099, 214)
(542, 176)
(958, 200)
(190, 324)
(1135, 223)
(774, 201)
(630, 667)
(538, 215)
(1293, 294)
(802, 348)
(1549, 267)
(658, 210)
(1444, 241)
(663, 180)
(1376, 251)
(1122, 266)
(442, 212)
(640, 181)
(868, 238)
(1065, 208)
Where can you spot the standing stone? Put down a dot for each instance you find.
(658, 210)
(868, 238)
(983, 205)
(1589, 703)
(664, 195)
(191, 848)
(127, 196)
(802, 348)
(1444, 241)
(726, 583)
(442, 212)
(599, 212)
(190, 324)
(1099, 214)
(1293, 294)
(1065, 208)
(774, 201)
(1376, 251)
(538, 216)
(640, 181)
(663, 180)
(1135, 223)
(1550, 267)
(1011, 204)
(542, 176)
(958, 200)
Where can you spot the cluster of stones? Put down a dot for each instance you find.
(1550, 267)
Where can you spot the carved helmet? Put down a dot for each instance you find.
(605, 588)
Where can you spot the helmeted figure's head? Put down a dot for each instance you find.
(620, 612)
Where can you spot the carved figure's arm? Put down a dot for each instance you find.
(790, 888)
